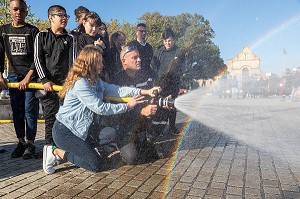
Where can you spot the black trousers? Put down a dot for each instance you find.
(51, 103)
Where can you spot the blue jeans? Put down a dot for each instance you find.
(79, 152)
(24, 106)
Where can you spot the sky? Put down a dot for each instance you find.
(268, 27)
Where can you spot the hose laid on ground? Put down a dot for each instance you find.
(39, 86)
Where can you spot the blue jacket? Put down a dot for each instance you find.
(82, 101)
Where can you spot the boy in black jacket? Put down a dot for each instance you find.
(16, 40)
(53, 57)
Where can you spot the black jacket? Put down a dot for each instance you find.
(132, 120)
(113, 62)
(168, 70)
(53, 56)
(146, 54)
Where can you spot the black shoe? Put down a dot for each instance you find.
(174, 131)
(19, 150)
(38, 155)
(2, 149)
(29, 151)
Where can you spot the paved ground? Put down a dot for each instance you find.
(218, 158)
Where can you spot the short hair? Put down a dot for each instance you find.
(168, 33)
(94, 16)
(114, 36)
(20, 1)
(141, 25)
(80, 10)
(54, 9)
(125, 51)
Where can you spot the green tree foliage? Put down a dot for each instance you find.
(194, 36)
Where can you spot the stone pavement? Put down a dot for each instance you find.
(218, 158)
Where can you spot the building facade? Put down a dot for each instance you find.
(244, 65)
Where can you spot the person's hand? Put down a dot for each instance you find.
(2, 84)
(135, 100)
(48, 86)
(100, 43)
(149, 110)
(23, 84)
(151, 92)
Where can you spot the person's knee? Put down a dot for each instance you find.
(129, 153)
(129, 159)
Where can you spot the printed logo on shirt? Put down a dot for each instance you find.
(18, 45)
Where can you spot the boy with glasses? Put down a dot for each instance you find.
(144, 48)
(16, 41)
(53, 57)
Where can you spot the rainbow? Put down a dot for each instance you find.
(186, 127)
(280, 28)
(178, 144)
(173, 160)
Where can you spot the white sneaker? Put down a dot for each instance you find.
(49, 160)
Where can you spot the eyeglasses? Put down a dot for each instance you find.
(102, 29)
(129, 49)
(62, 15)
(143, 31)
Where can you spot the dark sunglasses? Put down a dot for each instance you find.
(129, 49)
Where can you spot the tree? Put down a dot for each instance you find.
(194, 36)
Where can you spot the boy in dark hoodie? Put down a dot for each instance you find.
(168, 77)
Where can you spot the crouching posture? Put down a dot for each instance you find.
(83, 94)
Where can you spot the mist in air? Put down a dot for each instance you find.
(268, 124)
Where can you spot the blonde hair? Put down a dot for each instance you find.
(85, 66)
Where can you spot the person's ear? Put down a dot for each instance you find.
(84, 22)
(50, 17)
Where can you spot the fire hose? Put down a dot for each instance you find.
(39, 86)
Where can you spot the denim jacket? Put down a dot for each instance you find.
(82, 101)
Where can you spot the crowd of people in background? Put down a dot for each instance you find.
(89, 62)
(259, 87)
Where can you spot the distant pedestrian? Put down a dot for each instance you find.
(234, 88)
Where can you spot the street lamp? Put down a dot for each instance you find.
(284, 58)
